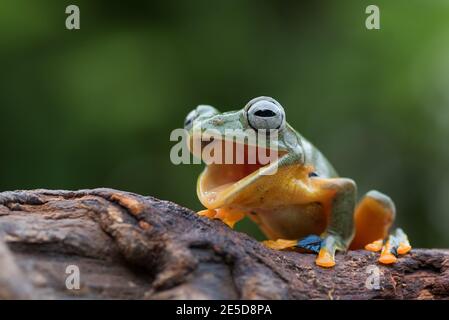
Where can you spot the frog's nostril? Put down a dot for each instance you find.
(265, 113)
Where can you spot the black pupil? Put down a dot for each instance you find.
(313, 174)
(266, 113)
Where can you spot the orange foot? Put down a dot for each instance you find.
(228, 216)
(397, 244)
(280, 244)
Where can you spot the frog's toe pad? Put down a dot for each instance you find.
(279, 244)
(388, 258)
(404, 247)
(210, 213)
(375, 246)
(396, 244)
(325, 259)
(312, 243)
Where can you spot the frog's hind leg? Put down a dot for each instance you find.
(397, 243)
(373, 218)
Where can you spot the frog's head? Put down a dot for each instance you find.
(207, 127)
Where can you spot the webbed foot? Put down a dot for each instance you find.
(325, 247)
(396, 244)
(229, 216)
(326, 255)
(280, 244)
(311, 243)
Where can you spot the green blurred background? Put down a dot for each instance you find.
(95, 107)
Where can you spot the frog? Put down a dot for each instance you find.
(298, 201)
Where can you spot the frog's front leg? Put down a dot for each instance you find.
(338, 196)
(229, 216)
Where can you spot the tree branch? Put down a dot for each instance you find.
(130, 246)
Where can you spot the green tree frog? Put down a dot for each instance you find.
(305, 204)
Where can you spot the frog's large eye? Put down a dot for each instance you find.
(265, 113)
(200, 111)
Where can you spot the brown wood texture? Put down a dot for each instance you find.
(129, 246)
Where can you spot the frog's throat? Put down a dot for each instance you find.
(219, 184)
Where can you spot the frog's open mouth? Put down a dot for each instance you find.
(222, 179)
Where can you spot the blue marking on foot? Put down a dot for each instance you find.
(394, 251)
(312, 243)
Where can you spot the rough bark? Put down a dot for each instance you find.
(131, 246)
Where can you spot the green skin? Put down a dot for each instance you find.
(299, 152)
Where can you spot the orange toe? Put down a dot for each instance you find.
(387, 258)
(374, 246)
(325, 259)
(210, 213)
(230, 223)
(280, 244)
(404, 248)
(229, 216)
